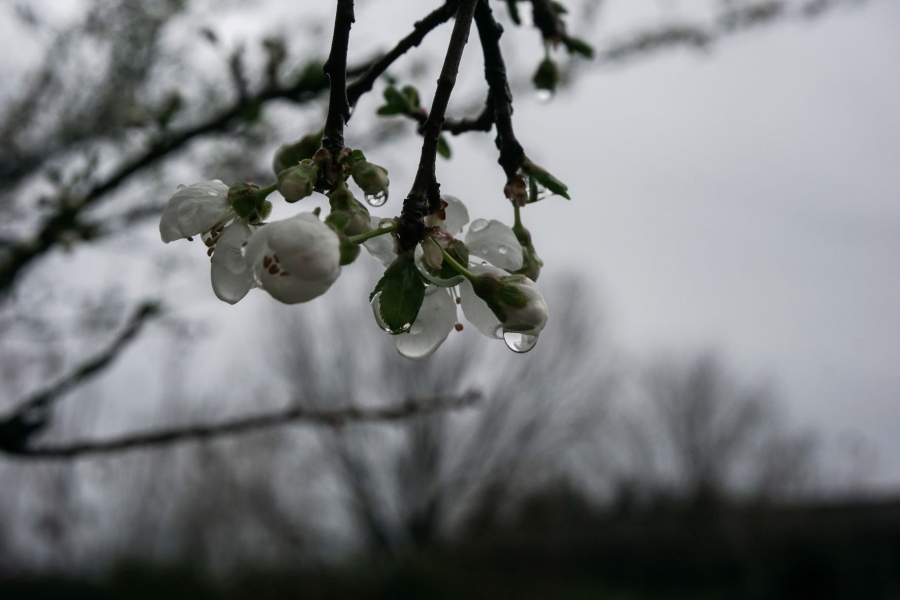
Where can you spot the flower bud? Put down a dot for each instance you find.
(372, 179)
(515, 300)
(289, 155)
(347, 213)
(296, 183)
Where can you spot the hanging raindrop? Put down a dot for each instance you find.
(376, 311)
(544, 96)
(519, 343)
(376, 200)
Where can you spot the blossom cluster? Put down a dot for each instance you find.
(488, 269)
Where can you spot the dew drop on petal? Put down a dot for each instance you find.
(520, 343)
(502, 249)
(181, 186)
(478, 224)
(376, 200)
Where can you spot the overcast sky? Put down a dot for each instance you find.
(749, 200)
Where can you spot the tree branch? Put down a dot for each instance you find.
(483, 122)
(336, 69)
(425, 189)
(296, 414)
(489, 31)
(422, 28)
(33, 414)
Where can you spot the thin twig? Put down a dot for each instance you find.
(33, 413)
(336, 69)
(422, 28)
(489, 32)
(296, 414)
(425, 189)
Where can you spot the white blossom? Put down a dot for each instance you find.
(295, 260)
(195, 209)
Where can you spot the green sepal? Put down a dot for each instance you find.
(349, 252)
(402, 292)
(498, 294)
(412, 96)
(338, 220)
(460, 253)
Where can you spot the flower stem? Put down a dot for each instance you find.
(459, 268)
(264, 192)
(517, 223)
(359, 239)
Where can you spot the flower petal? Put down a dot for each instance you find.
(194, 209)
(296, 259)
(496, 243)
(476, 310)
(457, 215)
(381, 247)
(231, 277)
(435, 279)
(435, 321)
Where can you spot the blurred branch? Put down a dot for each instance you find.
(68, 218)
(329, 418)
(33, 414)
(437, 17)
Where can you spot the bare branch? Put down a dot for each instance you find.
(422, 28)
(425, 189)
(296, 414)
(336, 69)
(33, 414)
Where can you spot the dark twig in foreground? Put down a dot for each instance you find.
(297, 414)
(32, 414)
(422, 28)
(336, 69)
(425, 189)
(489, 31)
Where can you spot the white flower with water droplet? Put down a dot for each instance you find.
(204, 209)
(296, 259)
(451, 218)
(496, 243)
(433, 324)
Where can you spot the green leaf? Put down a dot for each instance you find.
(514, 12)
(402, 291)
(578, 46)
(387, 111)
(393, 97)
(443, 147)
(548, 181)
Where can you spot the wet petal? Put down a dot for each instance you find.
(496, 243)
(231, 277)
(435, 321)
(457, 215)
(476, 310)
(296, 259)
(432, 254)
(194, 209)
(381, 247)
(435, 279)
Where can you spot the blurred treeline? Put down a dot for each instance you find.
(580, 470)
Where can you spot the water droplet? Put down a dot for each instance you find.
(376, 311)
(376, 200)
(484, 250)
(502, 249)
(519, 343)
(544, 96)
(416, 329)
(478, 225)
(498, 332)
(181, 186)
